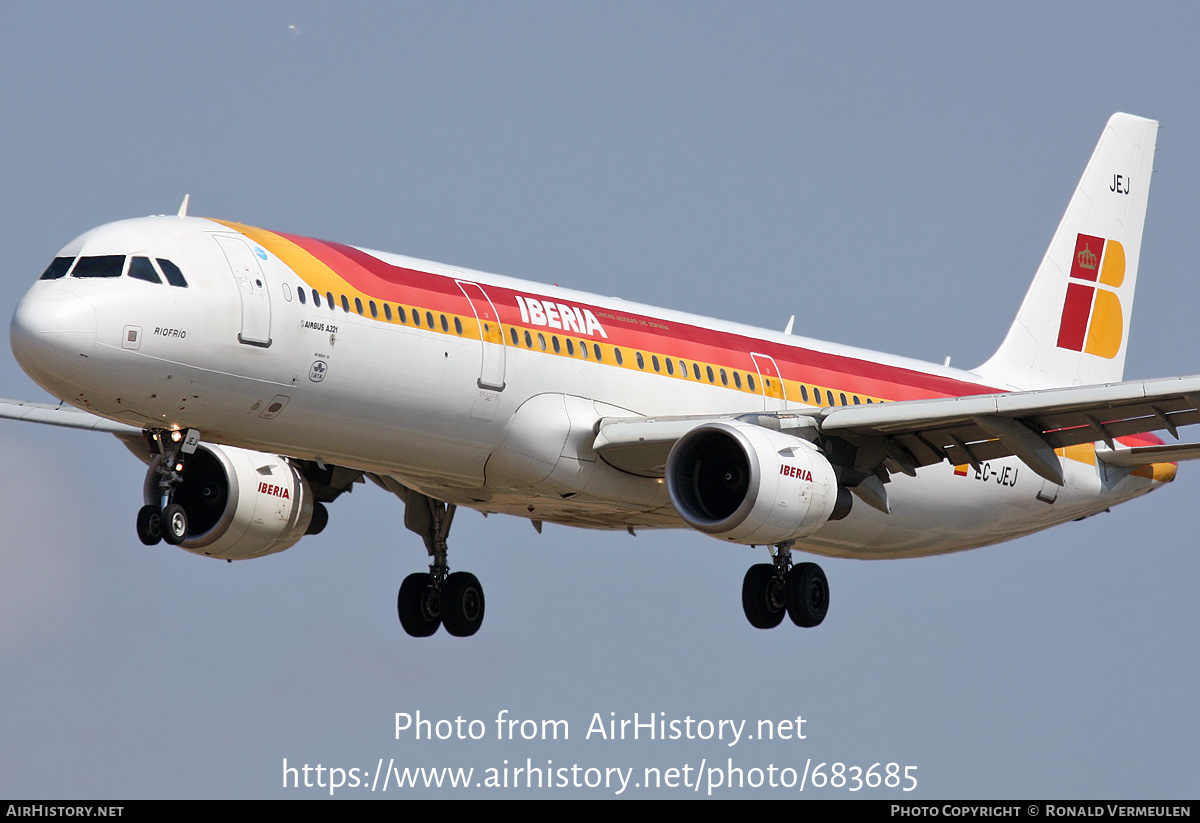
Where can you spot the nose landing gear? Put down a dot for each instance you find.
(167, 520)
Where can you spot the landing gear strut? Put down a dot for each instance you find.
(437, 597)
(167, 520)
(770, 590)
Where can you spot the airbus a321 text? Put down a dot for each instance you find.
(261, 374)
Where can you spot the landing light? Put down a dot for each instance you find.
(176, 435)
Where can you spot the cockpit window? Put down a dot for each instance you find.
(106, 265)
(142, 269)
(57, 268)
(172, 273)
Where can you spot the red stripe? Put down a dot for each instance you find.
(397, 284)
(1143, 439)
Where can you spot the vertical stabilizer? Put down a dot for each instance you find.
(1073, 326)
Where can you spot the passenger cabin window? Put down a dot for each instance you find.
(141, 269)
(57, 268)
(106, 265)
(300, 294)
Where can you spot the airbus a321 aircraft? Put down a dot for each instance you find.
(261, 374)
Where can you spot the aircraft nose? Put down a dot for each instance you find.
(52, 334)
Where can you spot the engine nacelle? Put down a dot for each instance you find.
(753, 485)
(240, 504)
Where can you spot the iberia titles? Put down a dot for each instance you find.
(559, 316)
(274, 491)
(794, 471)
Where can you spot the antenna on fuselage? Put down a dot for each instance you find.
(183, 206)
(791, 320)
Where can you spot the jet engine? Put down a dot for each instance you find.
(239, 504)
(749, 484)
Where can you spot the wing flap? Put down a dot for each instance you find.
(964, 429)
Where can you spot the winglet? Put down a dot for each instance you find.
(1073, 326)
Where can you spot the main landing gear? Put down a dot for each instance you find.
(771, 589)
(167, 520)
(437, 597)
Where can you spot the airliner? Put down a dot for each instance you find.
(260, 375)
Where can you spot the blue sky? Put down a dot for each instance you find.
(891, 175)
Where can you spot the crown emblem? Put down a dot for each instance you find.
(1087, 259)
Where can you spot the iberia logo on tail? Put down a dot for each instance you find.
(1091, 318)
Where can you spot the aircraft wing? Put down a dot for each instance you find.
(905, 435)
(62, 415)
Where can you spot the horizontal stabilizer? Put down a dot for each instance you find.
(1145, 455)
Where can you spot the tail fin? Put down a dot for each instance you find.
(1073, 325)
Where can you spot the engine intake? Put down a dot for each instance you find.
(753, 485)
(239, 503)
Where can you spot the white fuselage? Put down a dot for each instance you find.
(494, 406)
